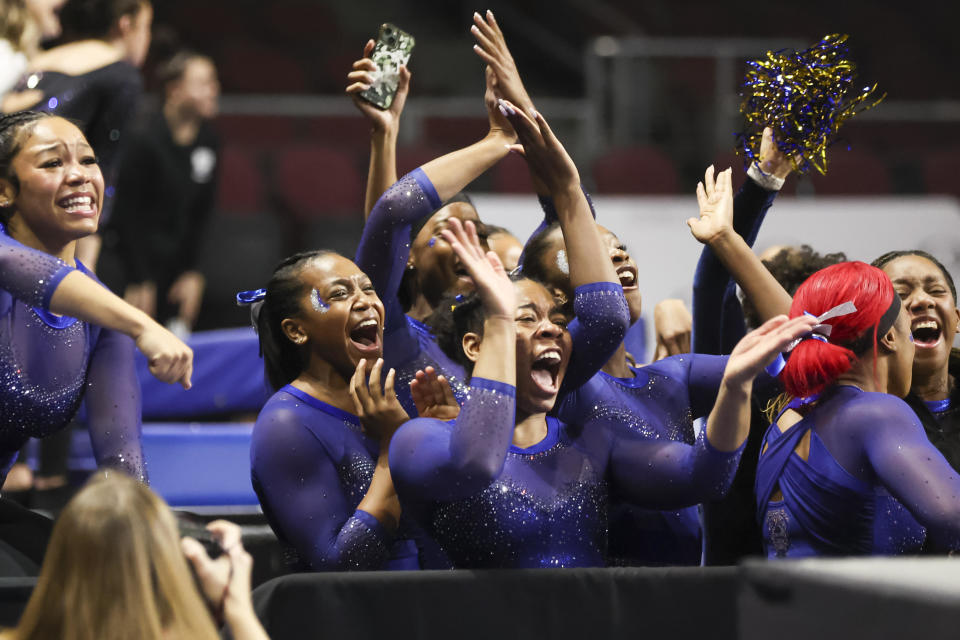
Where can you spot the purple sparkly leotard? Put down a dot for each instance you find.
(49, 363)
(490, 504)
(868, 455)
(408, 345)
(659, 402)
(311, 465)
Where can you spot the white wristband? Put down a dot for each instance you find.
(768, 181)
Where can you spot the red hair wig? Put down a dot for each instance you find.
(814, 365)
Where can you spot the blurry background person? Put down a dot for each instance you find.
(117, 568)
(166, 193)
(24, 25)
(93, 79)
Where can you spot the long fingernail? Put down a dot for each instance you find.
(503, 110)
(476, 15)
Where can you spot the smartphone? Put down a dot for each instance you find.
(190, 526)
(392, 50)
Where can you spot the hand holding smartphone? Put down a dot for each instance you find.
(392, 50)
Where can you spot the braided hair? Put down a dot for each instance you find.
(12, 126)
(283, 361)
(890, 256)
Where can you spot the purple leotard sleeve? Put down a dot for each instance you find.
(310, 472)
(602, 319)
(717, 317)
(28, 275)
(113, 405)
(432, 460)
(904, 461)
(385, 244)
(664, 474)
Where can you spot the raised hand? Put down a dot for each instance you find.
(761, 346)
(716, 207)
(433, 396)
(772, 161)
(361, 78)
(491, 100)
(496, 292)
(492, 48)
(169, 359)
(548, 160)
(379, 410)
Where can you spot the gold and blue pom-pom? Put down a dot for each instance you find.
(805, 96)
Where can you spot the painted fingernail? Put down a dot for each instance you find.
(476, 15)
(503, 110)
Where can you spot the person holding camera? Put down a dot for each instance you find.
(117, 568)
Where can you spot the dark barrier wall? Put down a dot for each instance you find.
(580, 604)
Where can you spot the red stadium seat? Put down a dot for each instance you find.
(940, 172)
(329, 131)
(241, 181)
(511, 175)
(852, 172)
(642, 170)
(409, 158)
(316, 182)
(259, 69)
(454, 133)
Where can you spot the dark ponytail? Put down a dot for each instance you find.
(283, 360)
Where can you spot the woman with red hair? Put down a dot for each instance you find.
(846, 468)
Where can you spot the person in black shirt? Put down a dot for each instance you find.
(930, 297)
(166, 192)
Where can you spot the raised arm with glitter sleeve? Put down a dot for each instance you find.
(113, 405)
(26, 274)
(664, 474)
(385, 244)
(602, 320)
(717, 316)
(432, 460)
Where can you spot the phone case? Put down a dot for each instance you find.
(392, 50)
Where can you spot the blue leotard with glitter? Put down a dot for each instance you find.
(659, 402)
(311, 465)
(49, 363)
(490, 504)
(869, 485)
(408, 345)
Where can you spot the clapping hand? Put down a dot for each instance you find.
(433, 396)
(377, 407)
(496, 292)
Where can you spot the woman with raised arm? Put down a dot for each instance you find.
(319, 450)
(508, 486)
(658, 401)
(845, 457)
(419, 267)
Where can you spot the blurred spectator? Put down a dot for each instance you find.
(92, 79)
(117, 568)
(24, 24)
(167, 189)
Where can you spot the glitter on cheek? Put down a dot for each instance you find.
(562, 263)
(432, 242)
(317, 302)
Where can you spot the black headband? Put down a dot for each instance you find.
(886, 321)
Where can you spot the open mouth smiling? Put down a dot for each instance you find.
(926, 332)
(365, 336)
(546, 369)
